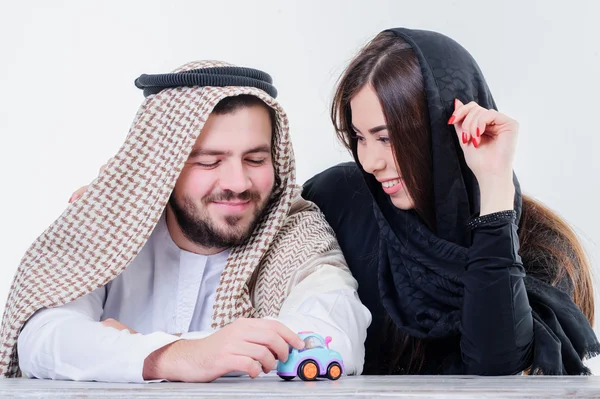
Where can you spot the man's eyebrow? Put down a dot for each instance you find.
(260, 148)
(199, 152)
(372, 130)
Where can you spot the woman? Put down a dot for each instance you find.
(461, 272)
(463, 275)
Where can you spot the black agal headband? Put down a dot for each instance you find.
(216, 77)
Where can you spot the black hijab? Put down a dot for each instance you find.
(420, 273)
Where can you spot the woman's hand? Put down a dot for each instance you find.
(488, 140)
(79, 192)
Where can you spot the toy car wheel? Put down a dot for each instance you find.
(334, 371)
(308, 370)
(287, 377)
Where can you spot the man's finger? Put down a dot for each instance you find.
(271, 340)
(284, 332)
(243, 364)
(260, 353)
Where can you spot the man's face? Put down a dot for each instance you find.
(228, 179)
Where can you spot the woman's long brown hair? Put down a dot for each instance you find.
(549, 249)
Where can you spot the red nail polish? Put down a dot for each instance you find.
(478, 133)
(464, 138)
(451, 120)
(475, 143)
(71, 199)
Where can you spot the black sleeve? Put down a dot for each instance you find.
(497, 323)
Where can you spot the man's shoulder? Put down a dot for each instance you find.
(304, 214)
(305, 227)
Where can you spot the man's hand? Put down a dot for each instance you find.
(118, 325)
(237, 347)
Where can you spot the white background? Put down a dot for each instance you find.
(67, 96)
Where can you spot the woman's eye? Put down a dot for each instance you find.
(384, 139)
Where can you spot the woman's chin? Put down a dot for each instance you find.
(403, 202)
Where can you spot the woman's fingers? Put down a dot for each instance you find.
(77, 194)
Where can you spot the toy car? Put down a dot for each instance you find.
(315, 360)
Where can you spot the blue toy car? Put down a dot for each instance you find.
(315, 360)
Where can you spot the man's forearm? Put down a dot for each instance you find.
(63, 344)
(161, 364)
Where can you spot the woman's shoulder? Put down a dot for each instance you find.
(339, 185)
(342, 195)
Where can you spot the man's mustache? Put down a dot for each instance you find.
(228, 195)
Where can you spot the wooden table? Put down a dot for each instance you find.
(346, 387)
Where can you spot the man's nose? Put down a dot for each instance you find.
(234, 178)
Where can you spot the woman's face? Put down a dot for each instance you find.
(374, 149)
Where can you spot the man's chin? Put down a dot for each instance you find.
(238, 225)
(233, 225)
(234, 236)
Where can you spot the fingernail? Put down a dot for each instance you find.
(464, 138)
(478, 134)
(475, 143)
(71, 199)
(451, 120)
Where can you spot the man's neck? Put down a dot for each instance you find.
(182, 241)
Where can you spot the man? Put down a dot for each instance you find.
(192, 256)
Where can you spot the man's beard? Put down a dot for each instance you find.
(199, 227)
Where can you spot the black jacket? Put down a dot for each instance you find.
(497, 328)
